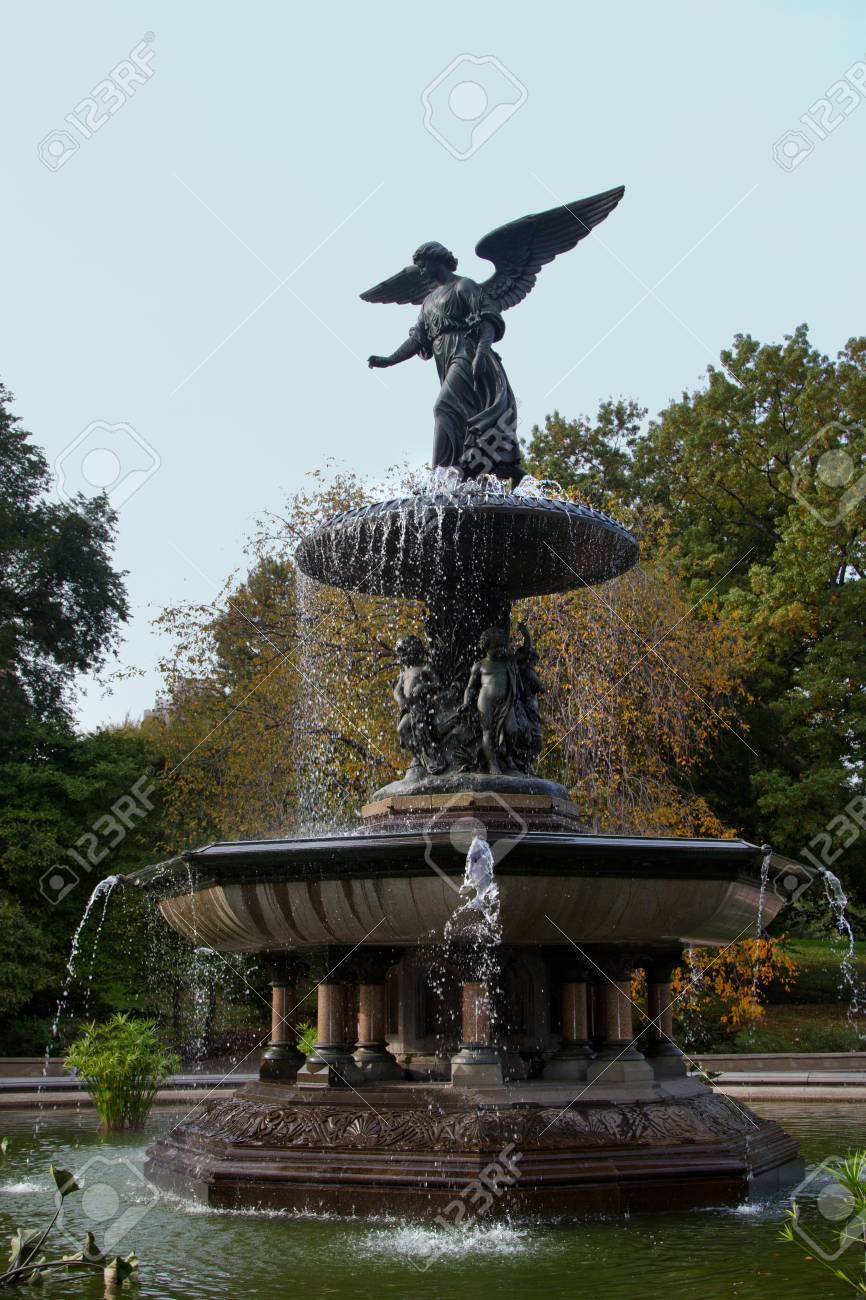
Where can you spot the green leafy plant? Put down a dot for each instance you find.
(27, 1264)
(850, 1175)
(122, 1064)
(306, 1038)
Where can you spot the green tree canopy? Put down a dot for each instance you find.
(761, 475)
(60, 599)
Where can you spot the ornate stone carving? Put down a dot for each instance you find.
(246, 1122)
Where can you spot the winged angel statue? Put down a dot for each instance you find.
(475, 417)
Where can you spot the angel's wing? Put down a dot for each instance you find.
(520, 249)
(408, 285)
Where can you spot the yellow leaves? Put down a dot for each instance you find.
(729, 984)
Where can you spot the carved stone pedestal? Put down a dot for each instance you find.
(414, 1149)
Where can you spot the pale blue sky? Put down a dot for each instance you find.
(141, 278)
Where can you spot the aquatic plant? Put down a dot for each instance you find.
(122, 1064)
(844, 1201)
(27, 1264)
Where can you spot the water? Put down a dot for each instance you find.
(101, 891)
(838, 902)
(191, 1253)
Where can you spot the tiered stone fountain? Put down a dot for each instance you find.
(446, 1051)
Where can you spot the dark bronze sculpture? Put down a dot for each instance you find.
(485, 721)
(475, 418)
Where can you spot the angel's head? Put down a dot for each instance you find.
(435, 259)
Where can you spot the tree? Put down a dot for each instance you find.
(73, 809)
(762, 476)
(279, 711)
(60, 599)
(751, 492)
(593, 458)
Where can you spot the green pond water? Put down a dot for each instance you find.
(188, 1252)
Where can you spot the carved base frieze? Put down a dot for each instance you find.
(409, 1150)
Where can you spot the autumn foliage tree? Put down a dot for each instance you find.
(278, 713)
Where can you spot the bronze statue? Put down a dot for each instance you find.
(494, 689)
(475, 418)
(415, 693)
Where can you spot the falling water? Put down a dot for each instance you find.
(476, 920)
(766, 861)
(838, 902)
(102, 891)
(106, 895)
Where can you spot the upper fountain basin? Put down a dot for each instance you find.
(515, 544)
(259, 895)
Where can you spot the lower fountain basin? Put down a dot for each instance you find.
(382, 889)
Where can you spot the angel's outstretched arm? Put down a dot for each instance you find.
(410, 348)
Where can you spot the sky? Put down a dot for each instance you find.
(196, 194)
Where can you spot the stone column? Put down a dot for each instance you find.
(282, 1059)
(331, 1063)
(662, 1052)
(477, 1064)
(570, 1062)
(372, 1057)
(618, 1060)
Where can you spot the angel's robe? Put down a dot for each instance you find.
(475, 415)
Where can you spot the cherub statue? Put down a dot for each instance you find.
(415, 693)
(493, 690)
(475, 417)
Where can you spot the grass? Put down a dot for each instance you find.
(808, 1027)
(819, 975)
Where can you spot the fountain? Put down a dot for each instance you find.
(475, 1026)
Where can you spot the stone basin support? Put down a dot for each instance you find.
(572, 1059)
(282, 1059)
(618, 1060)
(662, 1052)
(331, 1063)
(477, 1064)
(372, 1057)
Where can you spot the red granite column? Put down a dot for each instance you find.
(570, 1062)
(477, 1063)
(372, 1057)
(282, 1059)
(662, 1052)
(618, 1060)
(331, 1063)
